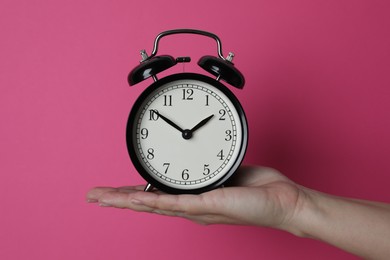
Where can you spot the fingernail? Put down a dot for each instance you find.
(91, 201)
(103, 204)
(136, 202)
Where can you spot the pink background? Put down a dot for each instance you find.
(317, 100)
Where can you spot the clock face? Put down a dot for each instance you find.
(186, 133)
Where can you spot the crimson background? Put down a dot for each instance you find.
(316, 98)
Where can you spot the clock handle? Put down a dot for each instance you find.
(187, 31)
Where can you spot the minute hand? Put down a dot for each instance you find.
(201, 123)
(168, 121)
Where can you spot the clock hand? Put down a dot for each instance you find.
(201, 123)
(168, 121)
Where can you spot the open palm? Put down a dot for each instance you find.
(255, 196)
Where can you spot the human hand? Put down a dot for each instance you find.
(264, 197)
(260, 196)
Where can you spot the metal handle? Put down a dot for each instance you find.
(187, 31)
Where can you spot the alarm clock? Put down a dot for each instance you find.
(186, 132)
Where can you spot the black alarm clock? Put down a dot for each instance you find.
(187, 132)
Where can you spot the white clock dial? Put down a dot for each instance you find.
(187, 134)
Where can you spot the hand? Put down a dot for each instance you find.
(168, 121)
(187, 133)
(264, 197)
(201, 123)
(261, 196)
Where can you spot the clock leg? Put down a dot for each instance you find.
(148, 187)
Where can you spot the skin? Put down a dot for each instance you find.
(260, 196)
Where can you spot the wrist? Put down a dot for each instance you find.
(306, 211)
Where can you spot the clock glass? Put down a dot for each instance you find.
(186, 132)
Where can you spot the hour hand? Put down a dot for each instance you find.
(168, 120)
(201, 123)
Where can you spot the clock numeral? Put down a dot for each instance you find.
(167, 167)
(207, 100)
(187, 94)
(222, 112)
(153, 115)
(220, 155)
(206, 169)
(144, 133)
(184, 175)
(168, 100)
(150, 155)
(228, 136)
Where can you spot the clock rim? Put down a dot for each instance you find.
(131, 147)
